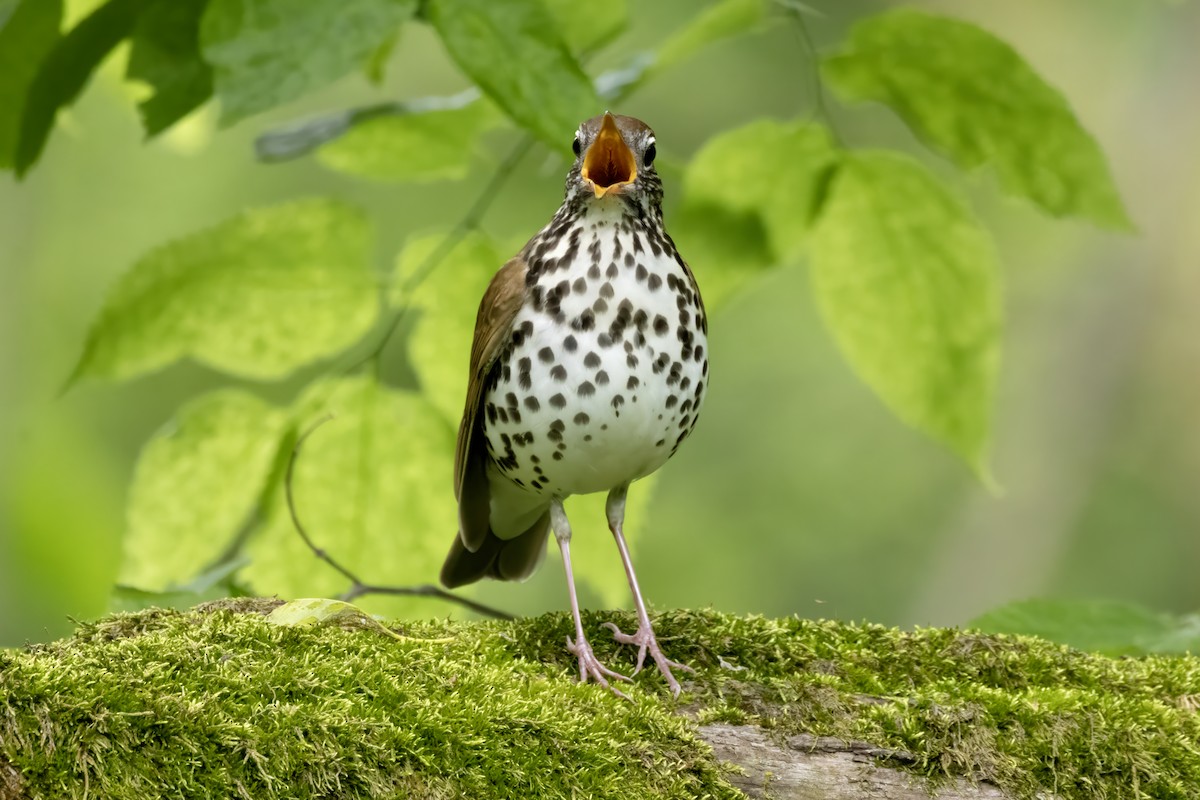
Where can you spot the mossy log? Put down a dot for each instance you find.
(221, 701)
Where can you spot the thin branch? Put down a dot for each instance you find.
(357, 587)
(301, 138)
(469, 222)
(798, 11)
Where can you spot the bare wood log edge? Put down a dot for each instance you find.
(824, 768)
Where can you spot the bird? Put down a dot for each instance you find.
(588, 368)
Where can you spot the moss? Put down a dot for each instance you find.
(218, 702)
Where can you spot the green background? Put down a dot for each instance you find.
(799, 493)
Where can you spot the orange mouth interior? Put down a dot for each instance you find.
(608, 164)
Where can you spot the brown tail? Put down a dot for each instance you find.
(503, 559)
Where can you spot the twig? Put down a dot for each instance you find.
(469, 222)
(357, 587)
(797, 12)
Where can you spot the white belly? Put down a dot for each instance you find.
(606, 373)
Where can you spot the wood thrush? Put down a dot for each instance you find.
(588, 368)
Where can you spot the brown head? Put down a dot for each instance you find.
(614, 157)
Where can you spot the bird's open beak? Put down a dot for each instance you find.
(609, 163)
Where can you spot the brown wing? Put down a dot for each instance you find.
(493, 331)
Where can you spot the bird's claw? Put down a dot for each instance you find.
(647, 643)
(590, 667)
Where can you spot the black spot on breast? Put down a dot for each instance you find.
(532, 403)
(654, 282)
(684, 384)
(631, 360)
(673, 283)
(606, 291)
(604, 340)
(591, 360)
(507, 372)
(632, 383)
(491, 413)
(637, 244)
(586, 389)
(511, 399)
(602, 378)
(582, 418)
(579, 286)
(600, 306)
(612, 270)
(699, 352)
(594, 251)
(569, 343)
(554, 435)
(587, 320)
(661, 326)
(618, 401)
(640, 319)
(672, 400)
(558, 455)
(558, 372)
(660, 442)
(514, 414)
(686, 407)
(629, 259)
(594, 272)
(661, 362)
(500, 412)
(641, 273)
(558, 401)
(587, 437)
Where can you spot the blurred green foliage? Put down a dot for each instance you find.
(796, 486)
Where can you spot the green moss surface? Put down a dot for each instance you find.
(218, 702)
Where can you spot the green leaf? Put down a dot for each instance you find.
(267, 52)
(1110, 627)
(587, 27)
(66, 69)
(196, 484)
(373, 486)
(314, 611)
(908, 283)
(773, 170)
(257, 296)
(28, 32)
(727, 250)
(722, 20)
(973, 98)
(513, 51)
(166, 55)
(440, 347)
(424, 146)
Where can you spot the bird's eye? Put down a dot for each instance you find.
(577, 145)
(651, 152)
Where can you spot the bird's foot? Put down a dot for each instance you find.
(590, 667)
(647, 643)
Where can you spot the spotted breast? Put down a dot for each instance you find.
(606, 371)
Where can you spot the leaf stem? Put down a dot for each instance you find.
(357, 587)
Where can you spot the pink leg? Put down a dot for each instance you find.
(581, 648)
(644, 637)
